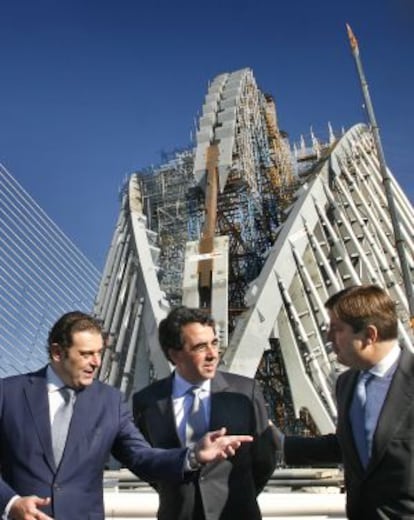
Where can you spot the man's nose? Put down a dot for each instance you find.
(96, 360)
(212, 351)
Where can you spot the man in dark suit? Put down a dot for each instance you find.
(62, 407)
(375, 438)
(225, 490)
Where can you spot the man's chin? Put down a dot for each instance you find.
(209, 374)
(86, 381)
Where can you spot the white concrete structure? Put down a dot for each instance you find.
(336, 232)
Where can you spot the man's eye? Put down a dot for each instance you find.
(199, 348)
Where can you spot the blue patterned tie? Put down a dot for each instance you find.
(196, 423)
(358, 417)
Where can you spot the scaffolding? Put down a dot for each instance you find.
(254, 159)
(166, 204)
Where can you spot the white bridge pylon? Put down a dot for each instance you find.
(130, 301)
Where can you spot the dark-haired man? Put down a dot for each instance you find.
(164, 412)
(59, 425)
(375, 430)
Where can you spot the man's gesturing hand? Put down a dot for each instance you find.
(26, 508)
(218, 446)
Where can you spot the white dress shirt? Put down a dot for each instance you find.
(54, 384)
(182, 401)
(382, 367)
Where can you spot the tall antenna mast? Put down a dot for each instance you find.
(386, 179)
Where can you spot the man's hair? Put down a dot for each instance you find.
(76, 321)
(170, 328)
(363, 305)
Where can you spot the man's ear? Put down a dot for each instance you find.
(371, 334)
(172, 355)
(56, 352)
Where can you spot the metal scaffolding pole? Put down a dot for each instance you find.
(399, 240)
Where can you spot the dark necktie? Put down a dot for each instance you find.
(196, 423)
(61, 422)
(358, 417)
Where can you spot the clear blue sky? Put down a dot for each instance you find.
(91, 90)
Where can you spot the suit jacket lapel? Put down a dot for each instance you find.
(82, 419)
(166, 413)
(345, 395)
(36, 395)
(219, 415)
(397, 402)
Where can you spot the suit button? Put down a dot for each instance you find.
(56, 487)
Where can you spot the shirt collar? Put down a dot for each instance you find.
(53, 381)
(382, 367)
(181, 385)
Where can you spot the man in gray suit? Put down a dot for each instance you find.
(375, 429)
(225, 490)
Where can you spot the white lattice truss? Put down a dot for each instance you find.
(43, 275)
(130, 300)
(338, 233)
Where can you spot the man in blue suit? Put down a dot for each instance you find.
(374, 438)
(36, 485)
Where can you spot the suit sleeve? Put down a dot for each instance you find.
(6, 492)
(148, 463)
(309, 451)
(322, 449)
(138, 407)
(140, 423)
(263, 449)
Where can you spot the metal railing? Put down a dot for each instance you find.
(308, 493)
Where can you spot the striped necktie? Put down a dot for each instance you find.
(61, 422)
(358, 416)
(196, 422)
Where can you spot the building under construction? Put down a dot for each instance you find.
(259, 233)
